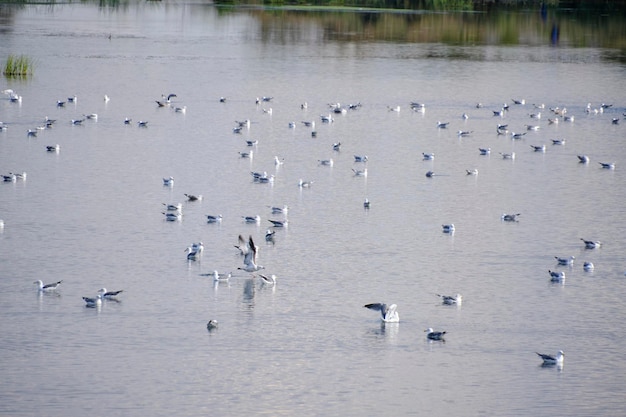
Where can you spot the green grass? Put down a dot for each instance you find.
(18, 66)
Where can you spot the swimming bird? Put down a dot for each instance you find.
(251, 219)
(168, 182)
(464, 133)
(327, 119)
(522, 101)
(583, 159)
(278, 223)
(360, 172)
(142, 123)
(9, 178)
(394, 109)
(588, 266)
(448, 228)
(556, 276)
(91, 116)
(213, 219)
(471, 171)
(182, 109)
(305, 184)
(217, 277)
(107, 98)
(77, 122)
(31, 133)
(278, 161)
(538, 148)
(93, 302)
(591, 244)
(534, 128)
(191, 197)
(269, 235)
(326, 162)
(510, 217)
(336, 146)
(433, 335)
(109, 295)
(515, 135)
(558, 141)
(127, 120)
(47, 287)
(508, 155)
(366, 204)
(430, 174)
(389, 314)
(172, 216)
(442, 125)
(246, 154)
(359, 158)
(173, 207)
(451, 299)
(211, 325)
(268, 280)
(279, 210)
(192, 254)
(250, 252)
(53, 148)
(565, 261)
(484, 151)
(549, 360)
(428, 156)
(607, 165)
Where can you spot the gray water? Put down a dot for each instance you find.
(91, 215)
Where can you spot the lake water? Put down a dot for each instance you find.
(91, 215)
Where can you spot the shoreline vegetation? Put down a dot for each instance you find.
(18, 66)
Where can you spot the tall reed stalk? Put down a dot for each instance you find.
(18, 66)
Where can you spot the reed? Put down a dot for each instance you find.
(18, 66)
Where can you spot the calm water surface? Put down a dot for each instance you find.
(90, 215)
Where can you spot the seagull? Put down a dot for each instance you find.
(192, 254)
(464, 132)
(278, 210)
(278, 161)
(549, 360)
(305, 184)
(538, 148)
(191, 197)
(326, 162)
(360, 172)
(246, 154)
(591, 244)
(77, 122)
(359, 158)
(173, 207)
(433, 335)
(268, 280)
(53, 148)
(278, 223)
(428, 156)
(91, 116)
(109, 295)
(508, 155)
(9, 178)
(180, 109)
(213, 219)
(522, 101)
(450, 299)
(47, 287)
(251, 219)
(583, 159)
(389, 314)
(211, 325)
(448, 228)
(336, 146)
(142, 123)
(366, 204)
(484, 151)
(93, 302)
(556, 276)
(510, 217)
(217, 277)
(442, 125)
(471, 171)
(588, 266)
(565, 261)
(173, 216)
(607, 165)
(269, 235)
(558, 141)
(250, 252)
(327, 119)
(517, 135)
(168, 182)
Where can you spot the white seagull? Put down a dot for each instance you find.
(591, 244)
(552, 360)
(451, 299)
(588, 266)
(268, 280)
(510, 217)
(173, 207)
(556, 276)
(250, 252)
(109, 295)
(448, 228)
(93, 302)
(433, 335)
(565, 261)
(583, 159)
(168, 182)
(607, 165)
(217, 277)
(389, 314)
(213, 219)
(47, 287)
